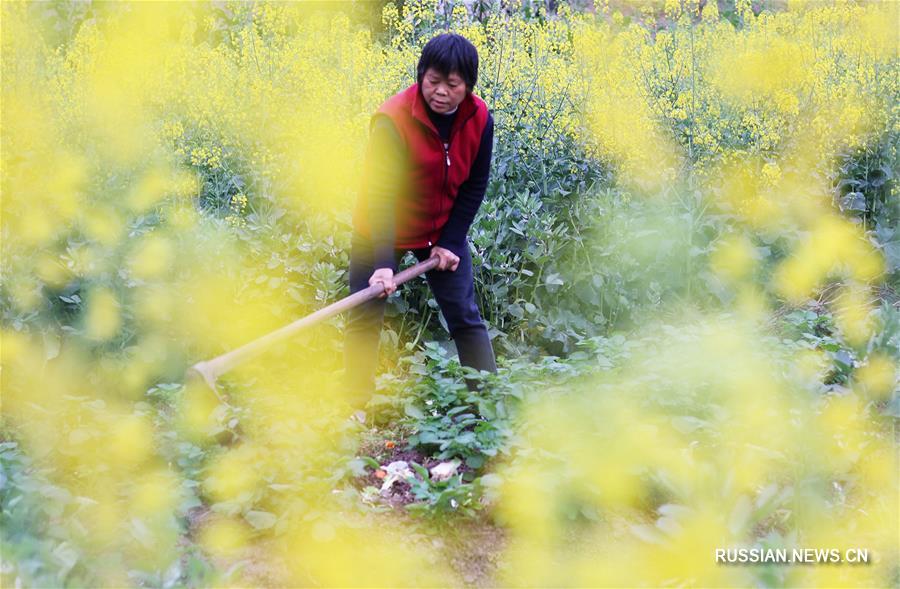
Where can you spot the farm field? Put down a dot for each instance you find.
(687, 258)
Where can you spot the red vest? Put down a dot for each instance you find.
(423, 206)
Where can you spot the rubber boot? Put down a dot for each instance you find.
(475, 350)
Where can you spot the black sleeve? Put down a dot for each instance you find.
(470, 195)
(385, 160)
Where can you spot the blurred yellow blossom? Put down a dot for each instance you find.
(103, 316)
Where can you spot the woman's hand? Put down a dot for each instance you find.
(449, 260)
(386, 277)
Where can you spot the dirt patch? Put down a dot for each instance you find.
(259, 567)
(386, 451)
(252, 565)
(471, 548)
(474, 551)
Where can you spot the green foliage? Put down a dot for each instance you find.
(865, 188)
(34, 541)
(813, 328)
(447, 419)
(439, 498)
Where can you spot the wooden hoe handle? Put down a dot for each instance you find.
(210, 370)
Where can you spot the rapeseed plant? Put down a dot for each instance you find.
(717, 435)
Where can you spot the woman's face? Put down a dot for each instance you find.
(443, 93)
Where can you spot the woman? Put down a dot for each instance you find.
(425, 176)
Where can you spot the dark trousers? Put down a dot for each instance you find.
(455, 295)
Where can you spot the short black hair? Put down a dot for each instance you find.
(448, 53)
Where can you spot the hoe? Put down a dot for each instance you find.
(211, 370)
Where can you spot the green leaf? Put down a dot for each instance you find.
(476, 461)
(371, 462)
(261, 520)
(67, 557)
(553, 279)
(465, 438)
(414, 412)
(428, 437)
(423, 472)
(357, 466)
